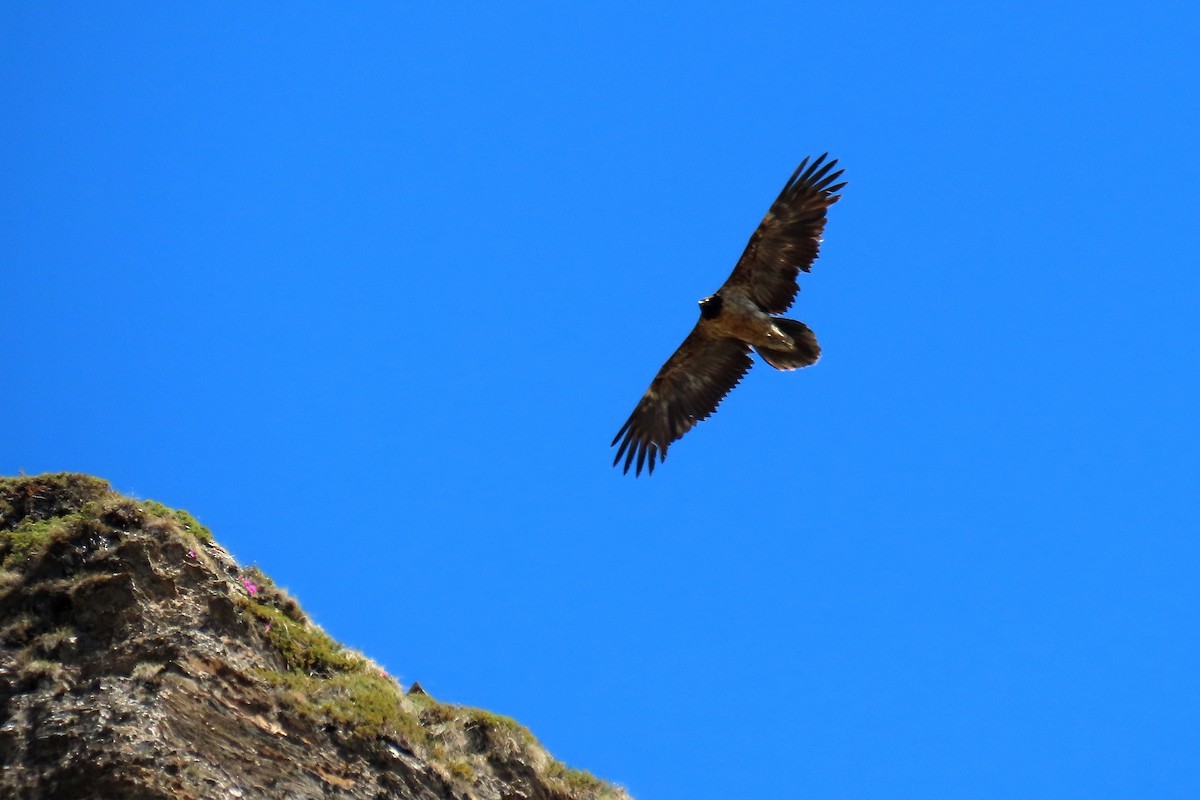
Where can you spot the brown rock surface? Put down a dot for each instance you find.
(139, 661)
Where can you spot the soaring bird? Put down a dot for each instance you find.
(737, 318)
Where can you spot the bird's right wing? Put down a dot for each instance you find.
(687, 389)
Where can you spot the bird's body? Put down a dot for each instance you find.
(738, 317)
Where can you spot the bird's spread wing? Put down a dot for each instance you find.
(787, 239)
(686, 390)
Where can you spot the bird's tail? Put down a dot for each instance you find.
(803, 353)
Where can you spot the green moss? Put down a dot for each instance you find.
(29, 539)
(186, 521)
(364, 705)
(498, 722)
(34, 511)
(371, 706)
(577, 780)
(425, 702)
(461, 768)
(305, 647)
(269, 594)
(322, 679)
(42, 497)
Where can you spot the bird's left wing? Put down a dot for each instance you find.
(687, 389)
(787, 239)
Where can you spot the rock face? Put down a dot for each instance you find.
(138, 661)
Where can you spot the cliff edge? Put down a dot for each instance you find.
(139, 661)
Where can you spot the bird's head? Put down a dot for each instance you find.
(710, 306)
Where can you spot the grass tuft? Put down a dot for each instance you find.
(577, 780)
(305, 647)
(364, 705)
(461, 768)
(29, 539)
(42, 497)
(186, 521)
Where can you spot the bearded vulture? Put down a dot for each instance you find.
(737, 318)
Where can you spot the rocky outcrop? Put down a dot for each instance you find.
(139, 661)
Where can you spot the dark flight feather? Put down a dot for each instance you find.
(789, 236)
(687, 389)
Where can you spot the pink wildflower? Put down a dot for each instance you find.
(250, 586)
(191, 553)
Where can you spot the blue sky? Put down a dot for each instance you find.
(370, 290)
